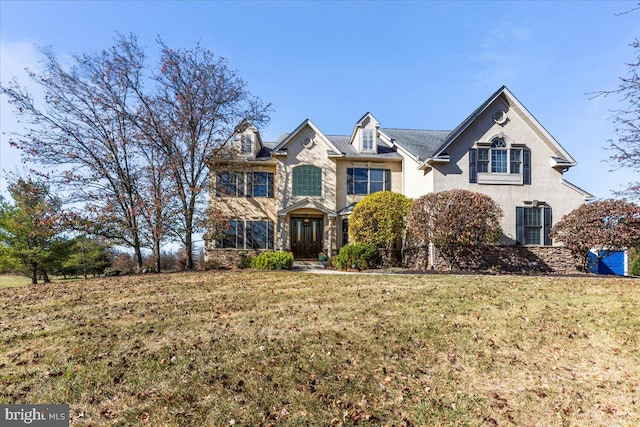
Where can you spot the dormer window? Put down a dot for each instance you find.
(246, 144)
(367, 140)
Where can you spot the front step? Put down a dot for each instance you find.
(307, 265)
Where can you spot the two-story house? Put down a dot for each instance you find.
(297, 193)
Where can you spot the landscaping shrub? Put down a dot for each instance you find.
(360, 256)
(379, 219)
(635, 266)
(244, 261)
(273, 261)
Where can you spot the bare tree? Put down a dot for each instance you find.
(83, 133)
(200, 105)
(134, 145)
(625, 148)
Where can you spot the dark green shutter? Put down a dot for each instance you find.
(270, 185)
(473, 157)
(350, 181)
(520, 225)
(270, 235)
(526, 166)
(547, 225)
(387, 180)
(239, 234)
(218, 185)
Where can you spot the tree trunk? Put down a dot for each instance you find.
(138, 251)
(34, 273)
(188, 248)
(45, 276)
(156, 253)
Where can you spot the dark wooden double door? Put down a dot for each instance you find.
(306, 237)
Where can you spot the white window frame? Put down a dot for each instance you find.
(487, 173)
(368, 140)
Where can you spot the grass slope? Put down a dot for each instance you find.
(254, 348)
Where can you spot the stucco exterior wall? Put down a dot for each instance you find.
(417, 182)
(343, 199)
(546, 182)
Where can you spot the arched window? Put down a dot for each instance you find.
(307, 181)
(500, 161)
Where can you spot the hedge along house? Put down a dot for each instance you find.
(297, 194)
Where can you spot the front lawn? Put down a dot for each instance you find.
(290, 348)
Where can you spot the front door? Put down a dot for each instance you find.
(306, 237)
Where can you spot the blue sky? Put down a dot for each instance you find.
(422, 65)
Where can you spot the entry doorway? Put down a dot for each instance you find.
(306, 237)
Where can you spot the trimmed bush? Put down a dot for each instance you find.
(379, 219)
(360, 256)
(272, 260)
(635, 267)
(244, 261)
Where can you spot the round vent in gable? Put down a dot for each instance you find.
(307, 142)
(500, 117)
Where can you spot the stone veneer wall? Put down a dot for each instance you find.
(226, 259)
(514, 259)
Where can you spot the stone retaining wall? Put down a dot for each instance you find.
(515, 259)
(226, 259)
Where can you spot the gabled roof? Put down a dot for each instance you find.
(587, 196)
(280, 148)
(345, 149)
(516, 105)
(360, 122)
(307, 204)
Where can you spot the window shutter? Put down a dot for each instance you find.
(473, 155)
(519, 225)
(547, 225)
(387, 180)
(270, 235)
(526, 166)
(219, 185)
(240, 234)
(270, 185)
(350, 181)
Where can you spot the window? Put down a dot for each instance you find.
(367, 181)
(259, 234)
(246, 144)
(259, 184)
(499, 156)
(247, 235)
(307, 181)
(533, 225)
(514, 164)
(498, 163)
(345, 231)
(367, 140)
(483, 160)
(233, 237)
(230, 184)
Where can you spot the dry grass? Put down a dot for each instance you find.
(284, 348)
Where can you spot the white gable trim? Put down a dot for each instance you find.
(307, 204)
(519, 109)
(281, 150)
(359, 125)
